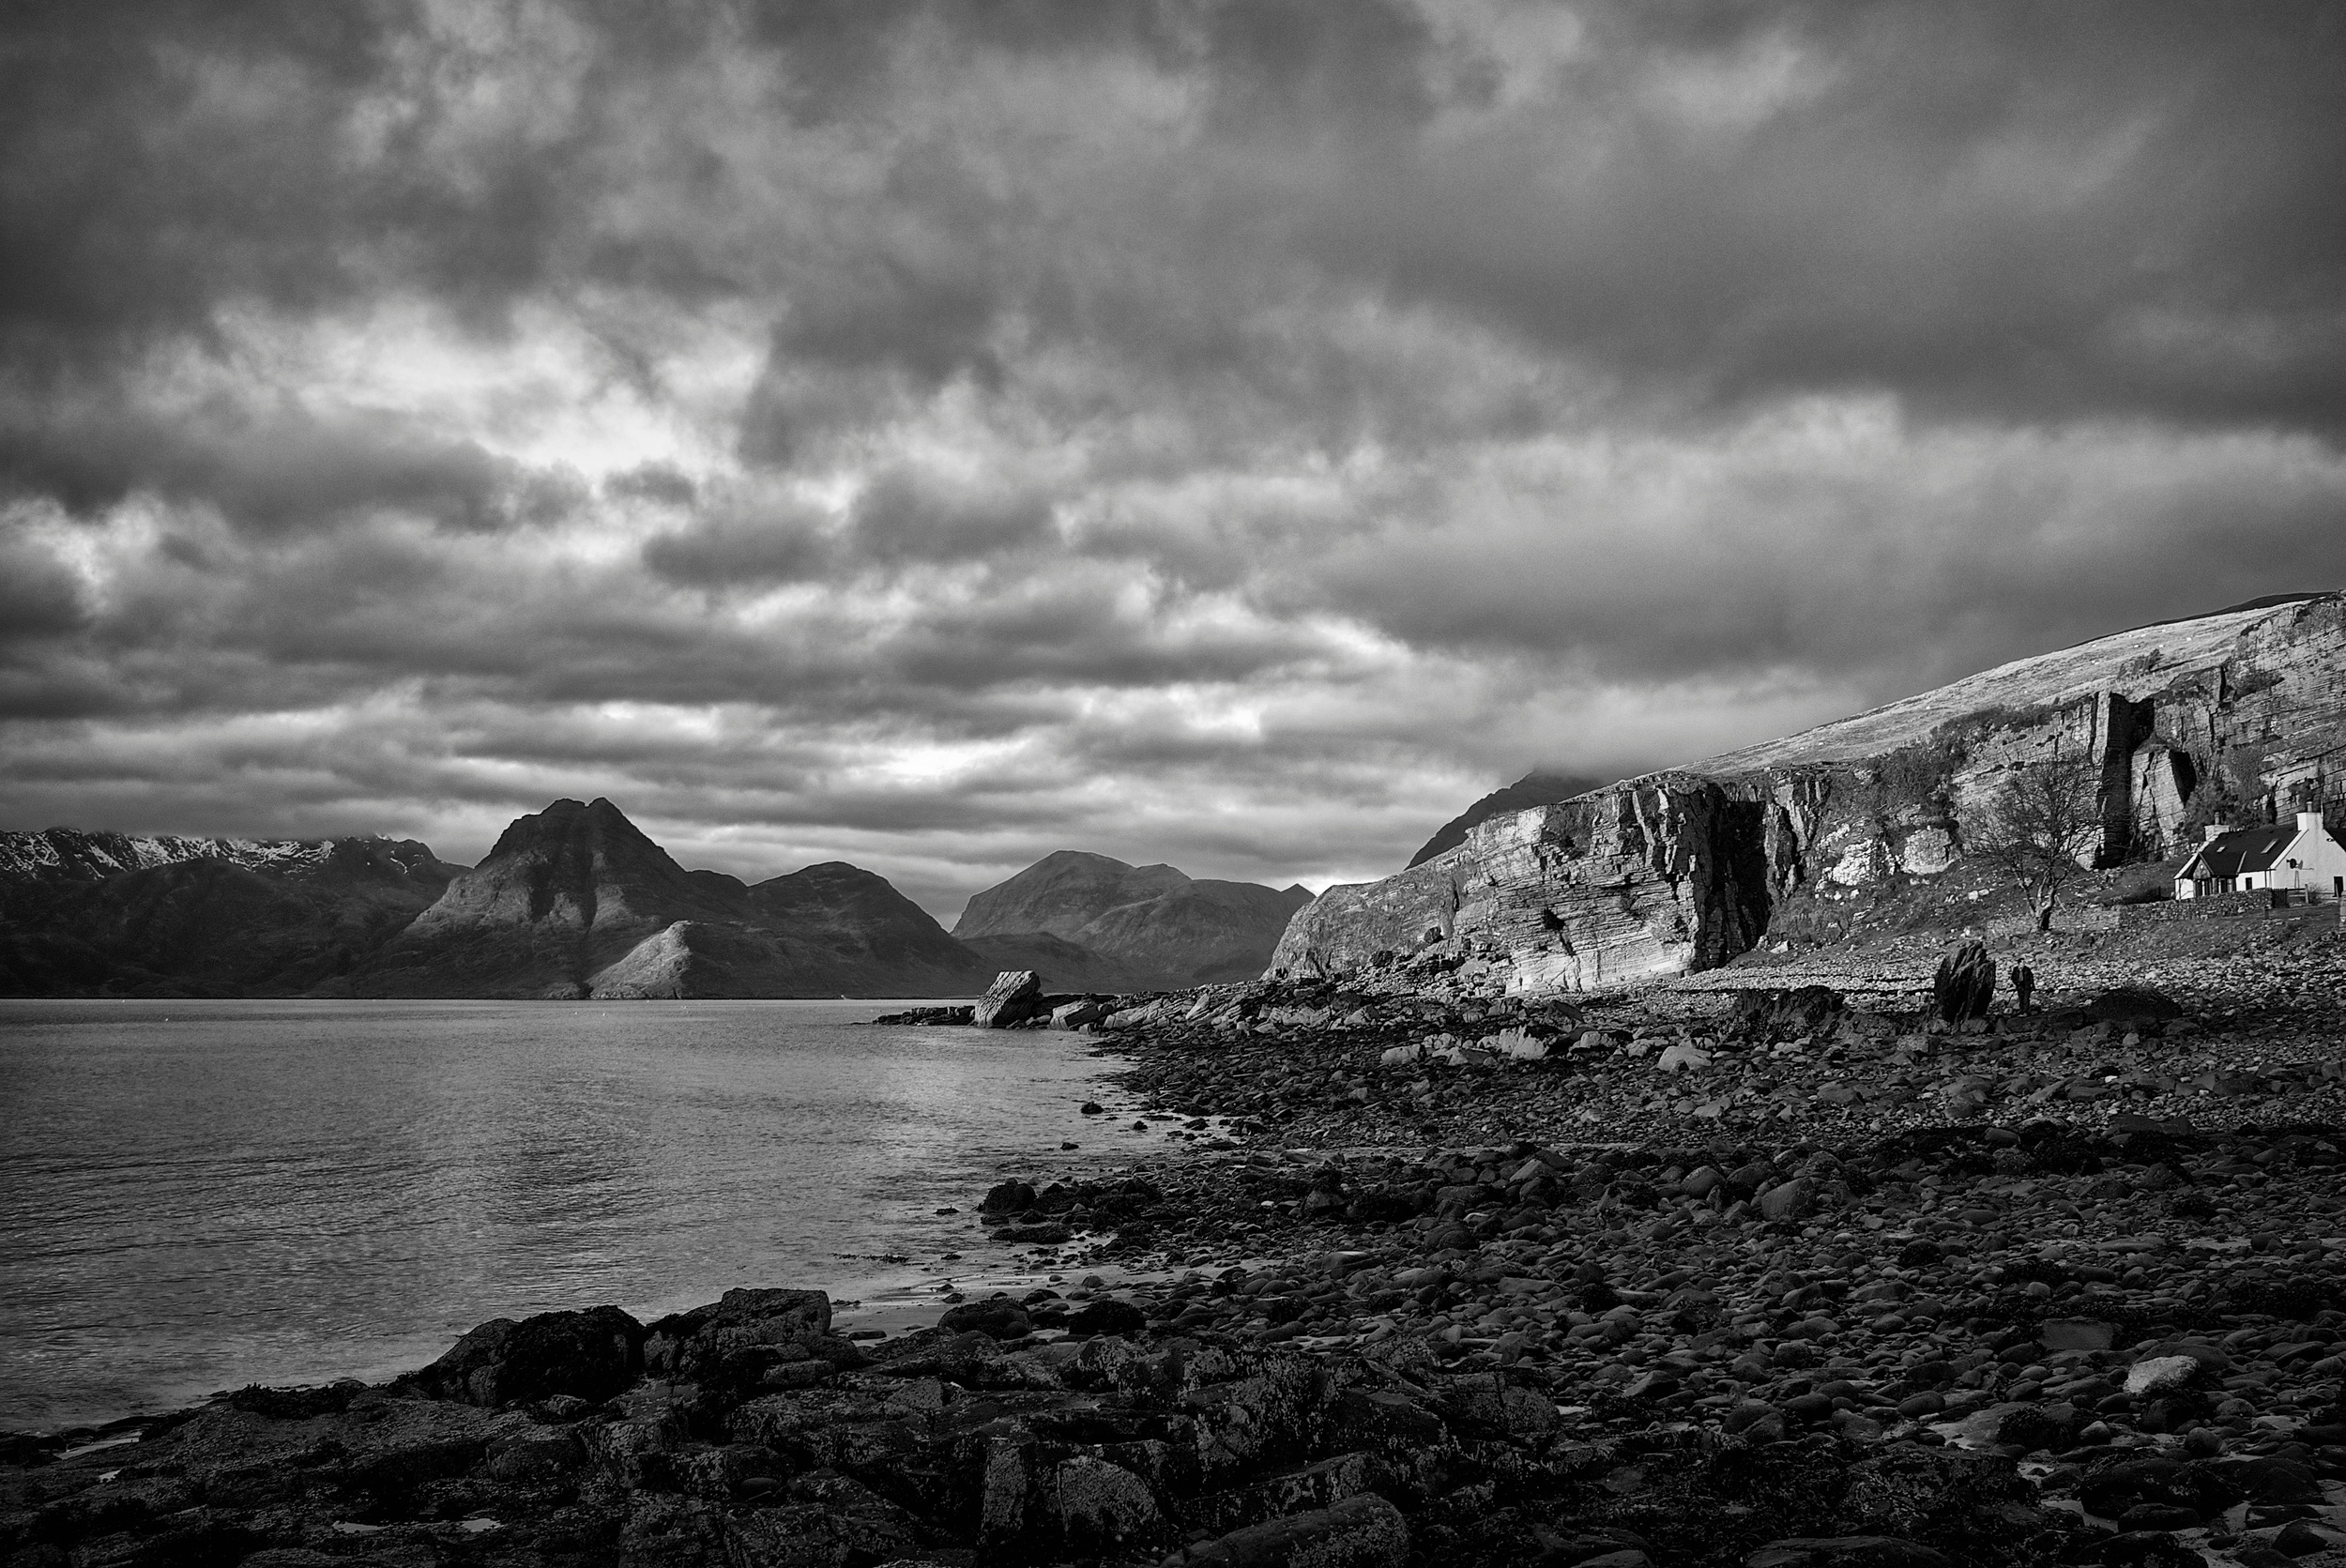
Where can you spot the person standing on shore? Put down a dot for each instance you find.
(2024, 983)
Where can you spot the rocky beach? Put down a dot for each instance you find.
(1174, 784)
(1761, 1266)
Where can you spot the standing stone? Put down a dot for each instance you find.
(1965, 984)
(1015, 996)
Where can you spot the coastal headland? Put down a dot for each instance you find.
(1757, 1267)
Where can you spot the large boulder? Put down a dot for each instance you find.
(1778, 1014)
(1965, 984)
(1107, 1316)
(1015, 996)
(997, 1319)
(760, 1326)
(588, 1354)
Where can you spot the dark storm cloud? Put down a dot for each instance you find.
(268, 469)
(2017, 210)
(1850, 544)
(931, 434)
(141, 184)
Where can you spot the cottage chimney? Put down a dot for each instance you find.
(2309, 821)
(2216, 831)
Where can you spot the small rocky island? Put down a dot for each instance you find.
(1734, 1270)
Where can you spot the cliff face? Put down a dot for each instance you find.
(1150, 926)
(2239, 716)
(1653, 877)
(576, 901)
(108, 913)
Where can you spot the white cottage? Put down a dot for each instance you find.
(2302, 857)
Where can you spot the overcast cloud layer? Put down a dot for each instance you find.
(1237, 434)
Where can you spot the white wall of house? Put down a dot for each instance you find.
(2313, 861)
(2316, 861)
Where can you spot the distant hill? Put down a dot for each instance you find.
(84, 914)
(1535, 788)
(1064, 965)
(575, 901)
(1147, 925)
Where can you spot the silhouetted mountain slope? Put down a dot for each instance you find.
(1153, 921)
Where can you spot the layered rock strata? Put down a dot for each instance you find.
(2238, 716)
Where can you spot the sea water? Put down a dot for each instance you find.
(198, 1196)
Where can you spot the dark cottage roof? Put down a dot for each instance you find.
(2251, 849)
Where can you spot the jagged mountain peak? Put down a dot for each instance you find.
(567, 819)
(576, 900)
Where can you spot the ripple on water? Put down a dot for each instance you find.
(199, 1195)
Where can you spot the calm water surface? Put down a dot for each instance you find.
(199, 1195)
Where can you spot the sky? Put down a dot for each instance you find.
(1233, 433)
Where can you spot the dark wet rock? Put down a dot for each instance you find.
(588, 1354)
(1008, 1197)
(1788, 1201)
(1965, 987)
(739, 1338)
(2147, 1549)
(1107, 1316)
(998, 1319)
(1784, 1014)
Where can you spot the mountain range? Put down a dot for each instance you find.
(575, 900)
(1123, 927)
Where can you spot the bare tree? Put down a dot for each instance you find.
(2040, 829)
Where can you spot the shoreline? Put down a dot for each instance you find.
(1977, 1324)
